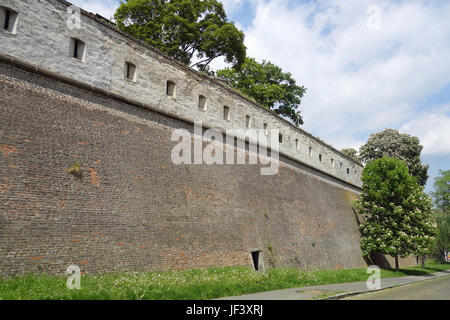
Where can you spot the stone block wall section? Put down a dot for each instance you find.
(111, 61)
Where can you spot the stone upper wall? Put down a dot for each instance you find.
(42, 39)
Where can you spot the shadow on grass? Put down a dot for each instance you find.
(428, 271)
(417, 272)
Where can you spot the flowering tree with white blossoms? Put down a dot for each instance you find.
(391, 143)
(397, 210)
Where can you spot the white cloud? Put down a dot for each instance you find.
(231, 5)
(105, 8)
(344, 140)
(433, 130)
(359, 80)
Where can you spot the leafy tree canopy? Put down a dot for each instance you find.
(352, 153)
(441, 197)
(269, 86)
(184, 29)
(441, 193)
(398, 212)
(391, 143)
(443, 235)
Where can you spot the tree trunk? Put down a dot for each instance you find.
(396, 262)
(423, 261)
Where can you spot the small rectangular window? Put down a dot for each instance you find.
(247, 122)
(7, 16)
(340, 164)
(310, 151)
(8, 19)
(280, 138)
(255, 259)
(170, 90)
(332, 163)
(348, 171)
(320, 157)
(202, 102)
(130, 71)
(266, 129)
(297, 145)
(77, 49)
(226, 113)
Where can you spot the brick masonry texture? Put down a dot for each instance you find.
(132, 209)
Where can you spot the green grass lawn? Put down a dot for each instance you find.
(190, 284)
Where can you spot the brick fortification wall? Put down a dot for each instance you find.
(42, 38)
(132, 208)
(135, 210)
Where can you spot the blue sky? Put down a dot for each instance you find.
(368, 65)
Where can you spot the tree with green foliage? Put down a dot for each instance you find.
(443, 235)
(397, 210)
(269, 86)
(391, 143)
(441, 193)
(352, 153)
(184, 29)
(441, 197)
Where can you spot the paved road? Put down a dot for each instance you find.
(434, 289)
(315, 292)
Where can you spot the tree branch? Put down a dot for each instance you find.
(204, 67)
(201, 62)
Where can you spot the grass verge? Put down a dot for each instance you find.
(189, 284)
